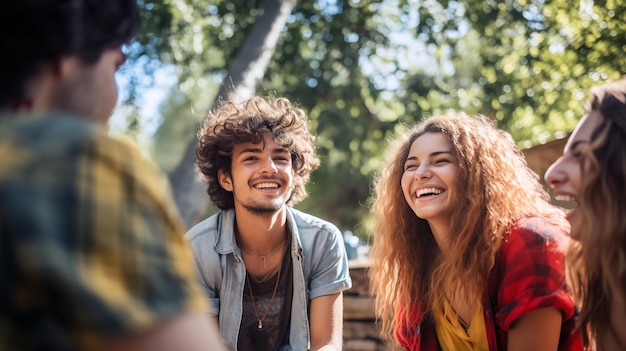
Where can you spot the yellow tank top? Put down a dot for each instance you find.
(451, 334)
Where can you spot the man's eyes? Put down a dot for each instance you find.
(277, 158)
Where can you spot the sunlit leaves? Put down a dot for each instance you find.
(365, 69)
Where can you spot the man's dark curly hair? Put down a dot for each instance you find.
(233, 123)
(37, 32)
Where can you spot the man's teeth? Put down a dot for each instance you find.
(563, 197)
(428, 191)
(267, 185)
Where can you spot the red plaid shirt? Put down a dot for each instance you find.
(528, 275)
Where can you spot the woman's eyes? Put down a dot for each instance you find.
(439, 161)
(577, 153)
(579, 149)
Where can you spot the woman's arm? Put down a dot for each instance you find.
(537, 330)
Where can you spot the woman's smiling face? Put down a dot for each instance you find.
(430, 177)
(565, 174)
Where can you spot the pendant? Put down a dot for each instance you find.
(260, 325)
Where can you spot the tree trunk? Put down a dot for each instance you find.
(239, 84)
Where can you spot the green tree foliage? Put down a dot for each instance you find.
(364, 69)
(539, 58)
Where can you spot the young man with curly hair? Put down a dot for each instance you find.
(275, 275)
(92, 254)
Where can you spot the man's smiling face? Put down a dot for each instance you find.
(261, 178)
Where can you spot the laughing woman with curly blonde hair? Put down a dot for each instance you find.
(468, 253)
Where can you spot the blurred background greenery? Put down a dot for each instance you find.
(363, 70)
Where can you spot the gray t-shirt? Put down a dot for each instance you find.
(274, 331)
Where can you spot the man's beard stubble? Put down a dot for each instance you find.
(268, 210)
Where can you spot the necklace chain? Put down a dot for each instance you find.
(269, 306)
(262, 257)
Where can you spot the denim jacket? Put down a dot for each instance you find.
(320, 267)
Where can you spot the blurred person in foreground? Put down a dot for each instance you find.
(92, 254)
(592, 173)
(274, 275)
(468, 253)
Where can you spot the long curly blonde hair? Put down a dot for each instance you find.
(496, 187)
(597, 264)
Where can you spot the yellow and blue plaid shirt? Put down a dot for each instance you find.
(91, 244)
